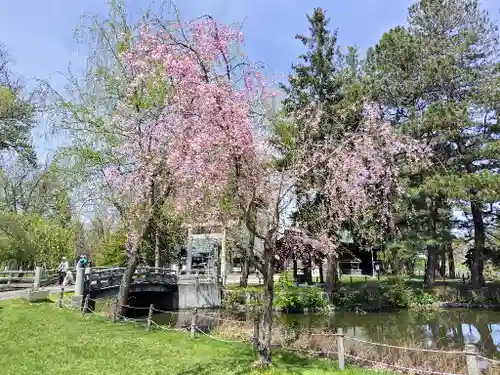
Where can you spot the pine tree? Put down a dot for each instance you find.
(439, 81)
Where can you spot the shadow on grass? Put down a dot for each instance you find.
(233, 366)
(292, 361)
(242, 363)
(40, 302)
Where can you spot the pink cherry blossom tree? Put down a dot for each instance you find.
(360, 182)
(184, 127)
(358, 185)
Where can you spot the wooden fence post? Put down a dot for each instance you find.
(340, 348)
(193, 324)
(115, 311)
(150, 317)
(255, 338)
(471, 356)
(60, 299)
(85, 305)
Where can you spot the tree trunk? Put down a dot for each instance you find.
(308, 270)
(157, 248)
(410, 267)
(451, 260)
(332, 276)
(266, 323)
(430, 269)
(477, 262)
(395, 263)
(247, 255)
(245, 271)
(295, 271)
(125, 284)
(320, 266)
(442, 264)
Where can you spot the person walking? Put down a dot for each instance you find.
(61, 272)
(68, 275)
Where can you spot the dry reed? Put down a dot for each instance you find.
(410, 358)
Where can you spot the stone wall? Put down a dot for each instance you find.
(199, 295)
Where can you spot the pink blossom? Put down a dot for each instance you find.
(195, 141)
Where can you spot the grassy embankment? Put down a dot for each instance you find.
(42, 339)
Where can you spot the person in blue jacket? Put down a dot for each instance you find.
(82, 262)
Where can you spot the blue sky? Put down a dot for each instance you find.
(39, 34)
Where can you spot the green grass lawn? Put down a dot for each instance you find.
(42, 339)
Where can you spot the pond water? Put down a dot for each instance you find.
(451, 329)
(444, 330)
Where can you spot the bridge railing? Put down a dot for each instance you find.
(111, 277)
(14, 279)
(103, 277)
(23, 279)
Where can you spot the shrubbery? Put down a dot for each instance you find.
(287, 297)
(291, 298)
(238, 296)
(390, 294)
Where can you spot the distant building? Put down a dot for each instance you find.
(204, 250)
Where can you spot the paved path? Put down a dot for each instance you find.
(17, 293)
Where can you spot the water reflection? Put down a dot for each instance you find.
(444, 330)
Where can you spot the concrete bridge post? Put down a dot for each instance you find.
(79, 281)
(77, 298)
(38, 277)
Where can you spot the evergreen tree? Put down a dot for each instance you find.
(439, 81)
(325, 77)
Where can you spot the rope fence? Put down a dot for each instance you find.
(332, 345)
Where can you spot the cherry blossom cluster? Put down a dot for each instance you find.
(359, 175)
(297, 243)
(184, 126)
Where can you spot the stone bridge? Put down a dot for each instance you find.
(167, 289)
